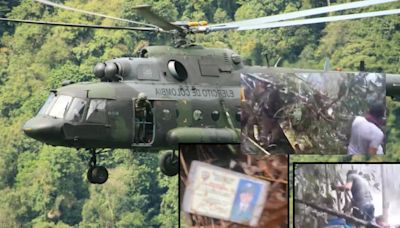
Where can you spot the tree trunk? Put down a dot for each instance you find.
(338, 214)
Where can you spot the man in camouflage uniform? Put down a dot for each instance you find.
(144, 119)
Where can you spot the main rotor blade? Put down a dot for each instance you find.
(92, 13)
(293, 15)
(150, 16)
(82, 25)
(321, 20)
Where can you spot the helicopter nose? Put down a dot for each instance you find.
(44, 129)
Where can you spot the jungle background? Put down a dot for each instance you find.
(38, 180)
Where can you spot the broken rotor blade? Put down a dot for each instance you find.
(81, 25)
(150, 16)
(298, 14)
(92, 13)
(321, 20)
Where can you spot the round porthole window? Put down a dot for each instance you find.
(215, 115)
(177, 70)
(197, 115)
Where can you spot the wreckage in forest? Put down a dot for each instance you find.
(309, 112)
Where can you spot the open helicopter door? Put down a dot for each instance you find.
(143, 122)
(151, 130)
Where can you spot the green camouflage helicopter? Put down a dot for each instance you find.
(168, 95)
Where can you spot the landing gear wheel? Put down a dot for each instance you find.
(89, 175)
(97, 175)
(169, 163)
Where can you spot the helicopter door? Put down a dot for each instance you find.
(143, 122)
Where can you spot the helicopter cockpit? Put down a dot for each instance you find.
(92, 121)
(63, 107)
(72, 109)
(60, 119)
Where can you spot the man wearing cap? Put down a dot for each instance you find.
(362, 197)
(366, 134)
(243, 207)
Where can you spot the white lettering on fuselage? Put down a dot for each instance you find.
(171, 91)
(186, 92)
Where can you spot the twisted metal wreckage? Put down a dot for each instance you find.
(308, 112)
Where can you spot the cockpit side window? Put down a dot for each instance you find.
(97, 111)
(60, 106)
(76, 110)
(44, 110)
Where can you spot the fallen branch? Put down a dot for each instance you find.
(258, 146)
(338, 214)
(272, 179)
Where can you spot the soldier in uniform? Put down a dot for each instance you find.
(144, 119)
(245, 202)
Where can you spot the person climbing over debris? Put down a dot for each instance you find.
(363, 208)
(366, 134)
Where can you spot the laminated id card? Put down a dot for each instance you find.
(224, 194)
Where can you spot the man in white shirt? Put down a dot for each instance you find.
(366, 135)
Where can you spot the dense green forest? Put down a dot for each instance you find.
(44, 186)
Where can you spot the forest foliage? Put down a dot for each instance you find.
(42, 185)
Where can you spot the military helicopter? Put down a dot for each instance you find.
(169, 95)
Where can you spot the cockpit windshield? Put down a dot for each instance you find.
(60, 106)
(47, 105)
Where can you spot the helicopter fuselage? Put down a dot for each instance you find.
(193, 93)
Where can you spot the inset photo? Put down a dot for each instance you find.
(220, 187)
(313, 113)
(346, 195)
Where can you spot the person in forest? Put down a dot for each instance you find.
(366, 133)
(363, 208)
